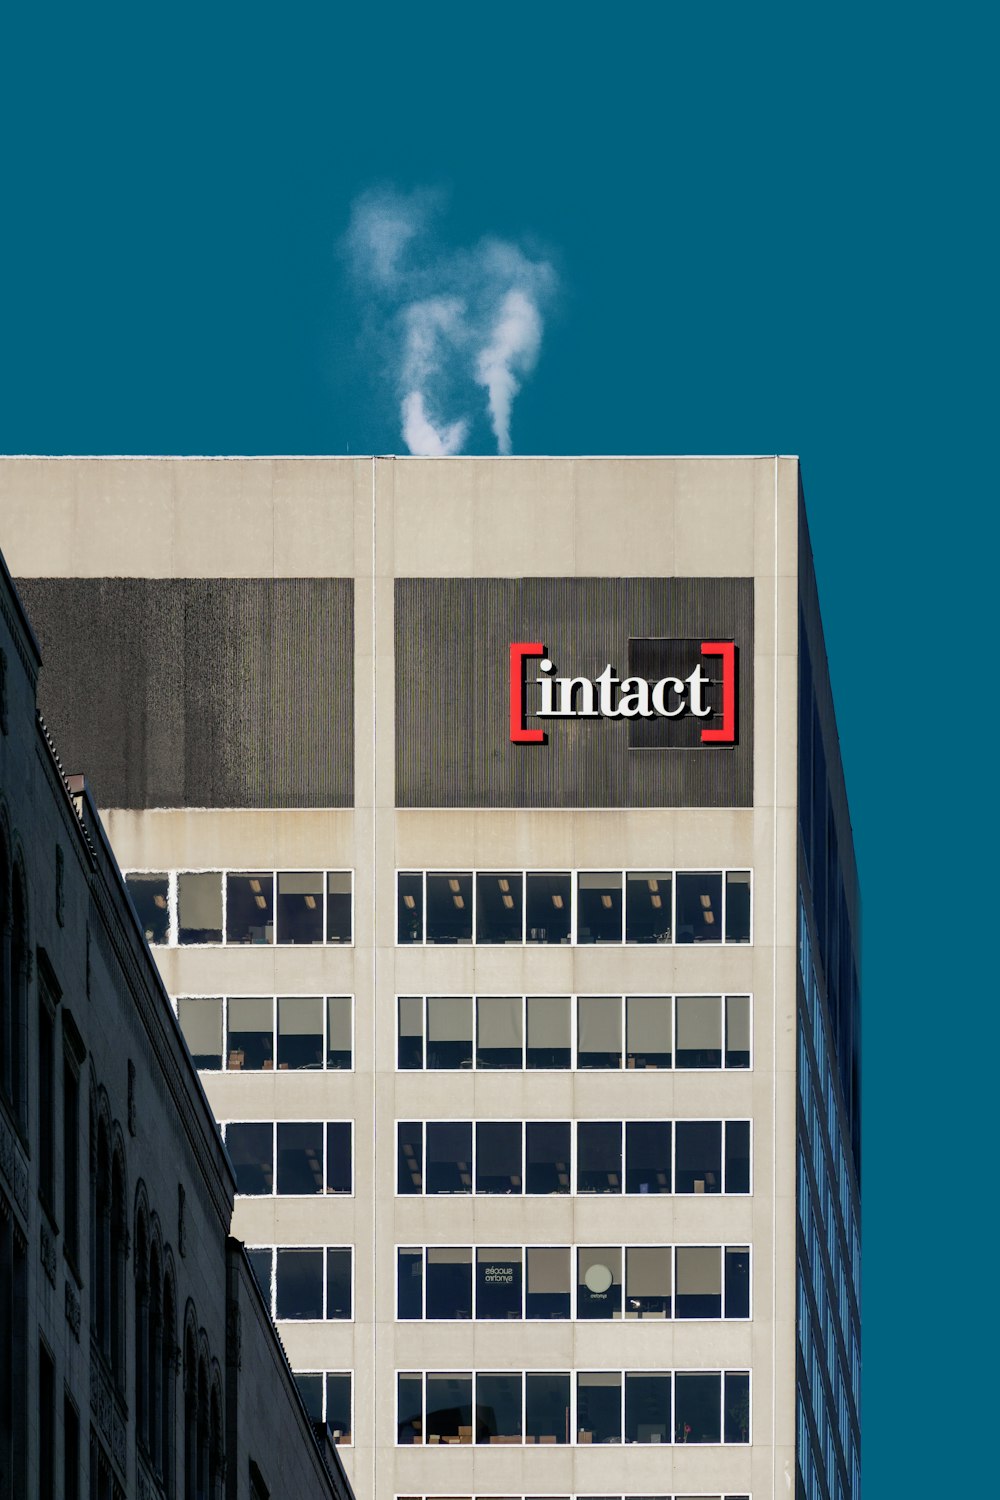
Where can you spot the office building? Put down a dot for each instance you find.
(486, 820)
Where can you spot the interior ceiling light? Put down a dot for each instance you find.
(453, 885)
(606, 902)
(459, 902)
(654, 885)
(656, 901)
(311, 902)
(557, 901)
(261, 902)
(409, 902)
(709, 917)
(161, 902)
(706, 901)
(504, 884)
(508, 901)
(255, 886)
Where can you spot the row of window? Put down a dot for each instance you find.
(565, 906)
(246, 906)
(598, 1406)
(327, 1397)
(448, 1282)
(573, 1156)
(291, 1158)
(582, 1031)
(262, 1033)
(306, 1283)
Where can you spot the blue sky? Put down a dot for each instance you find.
(771, 229)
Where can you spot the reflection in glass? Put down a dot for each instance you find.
(300, 907)
(599, 907)
(250, 908)
(549, 910)
(339, 927)
(599, 1406)
(410, 908)
(201, 1023)
(549, 1027)
(737, 1281)
(498, 1031)
(699, 1031)
(298, 1284)
(150, 897)
(338, 1408)
(737, 1156)
(449, 1031)
(449, 1283)
(251, 1033)
(737, 1404)
(699, 906)
(251, 1151)
(300, 1031)
(199, 907)
(649, 1031)
(547, 1156)
(449, 908)
(648, 906)
(499, 913)
(699, 1156)
(260, 1265)
(411, 1031)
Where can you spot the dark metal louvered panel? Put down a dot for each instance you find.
(200, 692)
(452, 742)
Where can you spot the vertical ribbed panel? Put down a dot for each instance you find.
(200, 692)
(452, 743)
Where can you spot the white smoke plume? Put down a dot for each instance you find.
(448, 321)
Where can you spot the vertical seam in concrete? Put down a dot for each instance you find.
(774, 1019)
(374, 1005)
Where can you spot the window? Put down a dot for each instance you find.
(549, 1291)
(198, 907)
(699, 1031)
(409, 1156)
(498, 1156)
(449, 909)
(737, 1156)
(250, 908)
(449, 1283)
(737, 1406)
(242, 1033)
(649, 1030)
(251, 1033)
(46, 1425)
(599, 907)
(648, 906)
(251, 1151)
(598, 1156)
(409, 908)
(300, 1158)
(737, 906)
(498, 1408)
(599, 1406)
(599, 1282)
(549, 1031)
(699, 1282)
(150, 897)
(647, 1407)
(71, 1449)
(339, 1032)
(549, 908)
(449, 1031)
(327, 1398)
(449, 1156)
(648, 1281)
(546, 1408)
(500, 908)
(300, 907)
(312, 1156)
(305, 1284)
(699, 906)
(300, 1031)
(737, 1281)
(699, 1156)
(201, 1022)
(499, 1278)
(499, 1032)
(647, 1156)
(547, 1156)
(410, 1052)
(599, 1031)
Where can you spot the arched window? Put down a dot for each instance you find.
(141, 1328)
(118, 1235)
(154, 1357)
(215, 1452)
(204, 1431)
(168, 1380)
(190, 1416)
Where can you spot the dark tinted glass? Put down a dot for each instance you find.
(547, 1156)
(300, 1157)
(546, 1408)
(199, 907)
(738, 906)
(449, 908)
(648, 906)
(647, 1156)
(737, 1156)
(737, 1281)
(338, 1283)
(449, 1283)
(410, 908)
(338, 1408)
(647, 1407)
(300, 907)
(697, 1409)
(699, 1156)
(409, 1409)
(599, 1407)
(149, 897)
(449, 1408)
(260, 1265)
(737, 1405)
(498, 1283)
(498, 1156)
(250, 908)
(411, 1031)
(339, 1154)
(251, 1152)
(549, 907)
(699, 906)
(299, 1284)
(498, 1407)
(598, 1156)
(599, 907)
(311, 1391)
(499, 914)
(409, 1157)
(338, 907)
(449, 1156)
(410, 1284)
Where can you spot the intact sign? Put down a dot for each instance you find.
(678, 693)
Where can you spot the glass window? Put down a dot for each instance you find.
(737, 1156)
(339, 1157)
(449, 908)
(311, 1391)
(699, 1031)
(599, 1282)
(449, 1282)
(546, 1407)
(299, 1284)
(737, 1404)
(339, 1041)
(648, 906)
(410, 1409)
(598, 1156)
(599, 1406)
(599, 1031)
(699, 1281)
(499, 908)
(547, 1156)
(201, 1023)
(300, 1031)
(410, 1157)
(498, 1031)
(697, 1408)
(449, 1156)
(498, 1408)
(498, 1156)
(449, 1408)
(338, 1283)
(410, 908)
(737, 1031)
(339, 917)
(549, 907)
(199, 907)
(699, 1156)
(250, 908)
(647, 1156)
(260, 1265)
(737, 906)
(300, 907)
(648, 1281)
(699, 906)
(300, 1158)
(548, 1294)
(498, 1283)
(411, 1031)
(251, 1151)
(737, 1281)
(599, 906)
(549, 1028)
(150, 897)
(649, 1031)
(449, 1031)
(251, 1033)
(410, 1284)
(647, 1407)
(338, 1408)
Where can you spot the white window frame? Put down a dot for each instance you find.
(275, 1071)
(322, 1248)
(300, 1197)
(223, 874)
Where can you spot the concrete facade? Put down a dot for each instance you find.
(376, 521)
